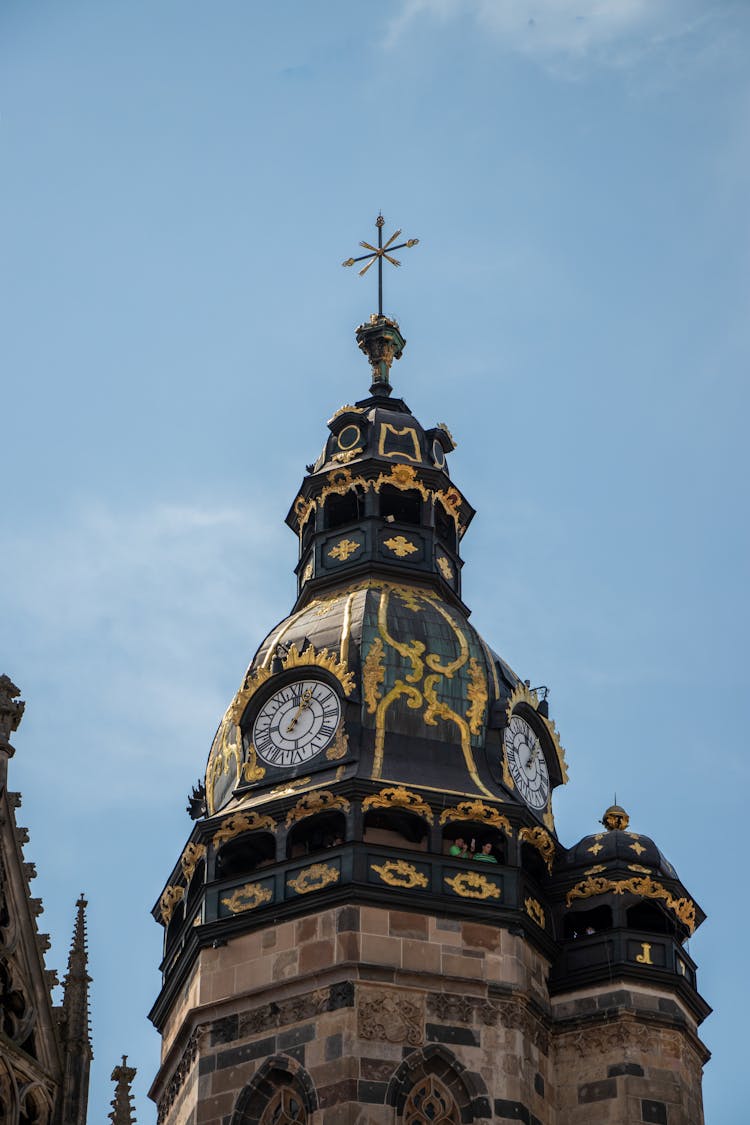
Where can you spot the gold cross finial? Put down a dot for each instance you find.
(377, 253)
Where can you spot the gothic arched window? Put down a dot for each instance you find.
(284, 1108)
(430, 1103)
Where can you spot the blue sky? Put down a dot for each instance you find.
(179, 184)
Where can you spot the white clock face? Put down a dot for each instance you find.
(296, 723)
(526, 762)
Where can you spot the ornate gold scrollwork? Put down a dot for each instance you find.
(399, 873)
(452, 501)
(643, 887)
(401, 546)
(339, 748)
(169, 899)
(343, 549)
(472, 884)
(540, 839)
(373, 674)
(239, 823)
(595, 869)
(404, 478)
(314, 878)
(479, 812)
(321, 658)
(445, 568)
(534, 910)
(477, 694)
(248, 897)
(634, 867)
(524, 694)
(398, 797)
(190, 859)
(644, 957)
(319, 801)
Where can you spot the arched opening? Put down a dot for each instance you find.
(465, 839)
(281, 1093)
(341, 510)
(400, 507)
(532, 862)
(245, 854)
(445, 527)
(316, 833)
(585, 923)
(431, 1087)
(395, 828)
(174, 926)
(647, 916)
(308, 530)
(196, 883)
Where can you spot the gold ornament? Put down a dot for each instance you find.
(248, 898)
(399, 797)
(316, 802)
(401, 546)
(314, 878)
(399, 873)
(471, 884)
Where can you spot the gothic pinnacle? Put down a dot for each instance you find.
(122, 1109)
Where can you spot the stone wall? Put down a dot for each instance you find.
(357, 1001)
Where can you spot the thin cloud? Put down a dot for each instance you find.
(612, 32)
(144, 620)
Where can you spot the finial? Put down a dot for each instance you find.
(377, 253)
(122, 1110)
(615, 818)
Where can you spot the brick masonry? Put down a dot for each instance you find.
(356, 1001)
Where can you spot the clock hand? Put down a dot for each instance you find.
(304, 704)
(532, 757)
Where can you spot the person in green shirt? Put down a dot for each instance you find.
(458, 847)
(485, 854)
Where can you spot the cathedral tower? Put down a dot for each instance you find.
(373, 919)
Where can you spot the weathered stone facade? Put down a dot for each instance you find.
(356, 1002)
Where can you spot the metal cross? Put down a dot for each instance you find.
(377, 253)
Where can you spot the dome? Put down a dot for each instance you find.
(618, 847)
(424, 693)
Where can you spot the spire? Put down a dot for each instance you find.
(76, 1033)
(122, 1110)
(380, 339)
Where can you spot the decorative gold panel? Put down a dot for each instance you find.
(472, 884)
(407, 431)
(248, 898)
(399, 873)
(399, 797)
(343, 549)
(401, 546)
(314, 878)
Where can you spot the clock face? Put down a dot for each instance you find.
(296, 723)
(526, 762)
